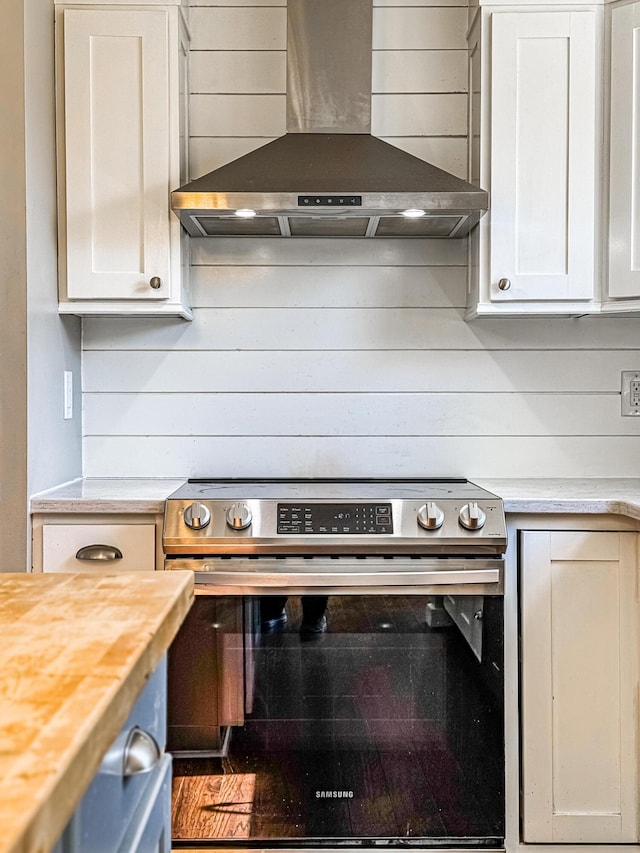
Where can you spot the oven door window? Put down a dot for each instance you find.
(385, 726)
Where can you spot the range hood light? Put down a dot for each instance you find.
(246, 213)
(413, 213)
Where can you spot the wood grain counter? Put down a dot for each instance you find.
(75, 653)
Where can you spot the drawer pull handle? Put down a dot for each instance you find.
(133, 753)
(141, 753)
(99, 552)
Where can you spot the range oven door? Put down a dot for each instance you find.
(387, 729)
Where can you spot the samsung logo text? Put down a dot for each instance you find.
(333, 795)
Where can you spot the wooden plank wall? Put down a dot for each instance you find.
(333, 357)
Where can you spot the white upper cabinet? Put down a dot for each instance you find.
(534, 121)
(624, 161)
(121, 128)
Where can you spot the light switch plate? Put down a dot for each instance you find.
(68, 394)
(630, 393)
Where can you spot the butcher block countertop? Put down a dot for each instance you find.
(75, 653)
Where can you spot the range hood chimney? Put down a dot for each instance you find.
(328, 176)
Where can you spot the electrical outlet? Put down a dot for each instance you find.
(68, 394)
(630, 393)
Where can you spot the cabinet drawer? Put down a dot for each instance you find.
(61, 543)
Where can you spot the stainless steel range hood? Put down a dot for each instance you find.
(327, 176)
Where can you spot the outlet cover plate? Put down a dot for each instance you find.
(630, 393)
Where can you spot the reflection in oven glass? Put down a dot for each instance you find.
(381, 729)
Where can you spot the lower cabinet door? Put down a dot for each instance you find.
(579, 730)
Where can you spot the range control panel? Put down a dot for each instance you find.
(334, 518)
(301, 518)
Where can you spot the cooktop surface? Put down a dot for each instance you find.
(330, 489)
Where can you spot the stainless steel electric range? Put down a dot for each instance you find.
(339, 681)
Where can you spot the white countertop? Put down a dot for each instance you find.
(106, 495)
(617, 496)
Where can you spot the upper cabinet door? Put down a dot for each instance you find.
(117, 137)
(543, 136)
(624, 188)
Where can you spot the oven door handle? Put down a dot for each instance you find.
(294, 575)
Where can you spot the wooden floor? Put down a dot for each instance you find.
(361, 712)
(213, 805)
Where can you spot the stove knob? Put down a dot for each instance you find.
(196, 516)
(471, 516)
(239, 516)
(430, 516)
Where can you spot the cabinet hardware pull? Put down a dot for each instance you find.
(156, 282)
(99, 552)
(133, 752)
(504, 284)
(141, 753)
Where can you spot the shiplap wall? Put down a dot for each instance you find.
(346, 357)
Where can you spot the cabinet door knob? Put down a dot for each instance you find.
(504, 284)
(156, 282)
(99, 552)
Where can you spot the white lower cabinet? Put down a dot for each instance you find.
(579, 690)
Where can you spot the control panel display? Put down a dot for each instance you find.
(335, 519)
(330, 200)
